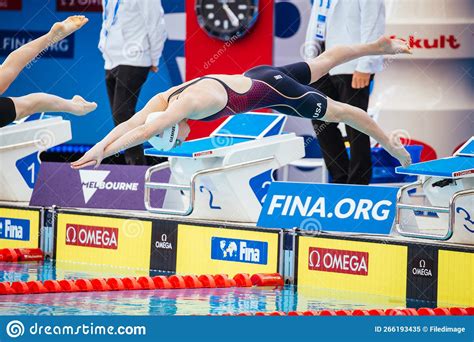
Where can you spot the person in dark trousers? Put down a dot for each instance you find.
(339, 22)
(131, 41)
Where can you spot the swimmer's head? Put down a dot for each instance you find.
(171, 136)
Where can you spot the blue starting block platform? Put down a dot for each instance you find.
(226, 175)
(235, 130)
(197, 148)
(448, 187)
(458, 166)
(467, 149)
(452, 167)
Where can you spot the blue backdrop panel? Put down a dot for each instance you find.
(76, 66)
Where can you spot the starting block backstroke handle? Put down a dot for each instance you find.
(191, 187)
(163, 186)
(450, 210)
(20, 145)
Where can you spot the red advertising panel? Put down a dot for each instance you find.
(10, 5)
(208, 55)
(338, 261)
(90, 236)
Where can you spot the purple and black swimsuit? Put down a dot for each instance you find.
(284, 89)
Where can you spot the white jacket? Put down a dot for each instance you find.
(350, 22)
(133, 32)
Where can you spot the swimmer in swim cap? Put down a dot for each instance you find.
(167, 139)
(284, 89)
(16, 108)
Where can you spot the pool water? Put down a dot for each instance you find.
(167, 302)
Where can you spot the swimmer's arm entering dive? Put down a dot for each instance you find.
(139, 133)
(156, 104)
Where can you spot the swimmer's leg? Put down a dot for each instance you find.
(330, 58)
(40, 102)
(20, 58)
(360, 120)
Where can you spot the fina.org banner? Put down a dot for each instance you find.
(329, 207)
(10, 40)
(107, 187)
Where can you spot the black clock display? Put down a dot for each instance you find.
(226, 19)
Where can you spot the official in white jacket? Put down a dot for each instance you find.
(346, 22)
(131, 41)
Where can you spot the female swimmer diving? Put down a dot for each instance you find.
(15, 108)
(284, 89)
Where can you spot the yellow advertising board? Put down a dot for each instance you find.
(19, 228)
(356, 266)
(103, 240)
(208, 250)
(455, 278)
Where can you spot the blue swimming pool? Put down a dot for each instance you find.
(167, 302)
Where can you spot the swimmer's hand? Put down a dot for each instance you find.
(389, 46)
(93, 157)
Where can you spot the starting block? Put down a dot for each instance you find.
(20, 146)
(226, 175)
(447, 202)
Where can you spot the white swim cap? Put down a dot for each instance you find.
(167, 139)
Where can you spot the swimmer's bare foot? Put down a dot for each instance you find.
(397, 150)
(81, 106)
(64, 28)
(388, 46)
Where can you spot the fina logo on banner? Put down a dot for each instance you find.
(247, 251)
(329, 207)
(14, 229)
(12, 40)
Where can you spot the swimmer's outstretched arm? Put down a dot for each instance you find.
(337, 55)
(156, 104)
(21, 57)
(138, 131)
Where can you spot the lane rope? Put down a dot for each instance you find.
(453, 311)
(141, 283)
(21, 254)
